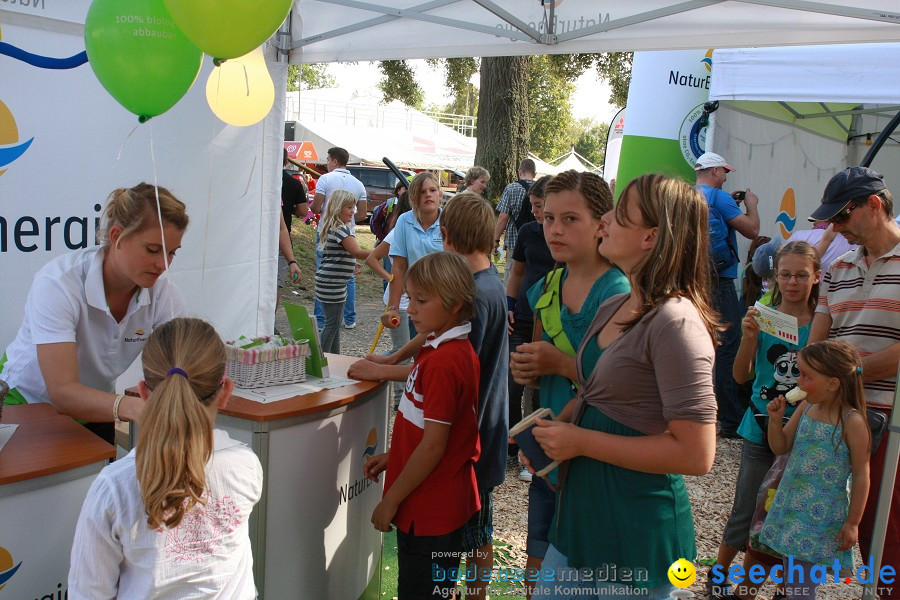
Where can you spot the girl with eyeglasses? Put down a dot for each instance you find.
(774, 361)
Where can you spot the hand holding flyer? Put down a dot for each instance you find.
(777, 323)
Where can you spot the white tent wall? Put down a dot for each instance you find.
(860, 76)
(772, 157)
(85, 145)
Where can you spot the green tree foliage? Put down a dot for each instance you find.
(459, 72)
(615, 69)
(399, 83)
(589, 140)
(549, 108)
(308, 77)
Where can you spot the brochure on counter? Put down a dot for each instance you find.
(6, 432)
(283, 392)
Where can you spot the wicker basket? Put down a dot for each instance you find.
(253, 368)
(3, 389)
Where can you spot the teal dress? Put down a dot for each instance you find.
(556, 390)
(812, 502)
(589, 534)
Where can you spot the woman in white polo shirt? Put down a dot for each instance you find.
(89, 312)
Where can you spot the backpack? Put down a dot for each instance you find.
(722, 254)
(524, 215)
(379, 220)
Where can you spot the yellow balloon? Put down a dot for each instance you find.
(240, 91)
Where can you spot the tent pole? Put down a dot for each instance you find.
(879, 142)
(888, 479)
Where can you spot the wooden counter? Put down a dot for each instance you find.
(306, 404)
(311, 531)
(46, 469)
(46, 442)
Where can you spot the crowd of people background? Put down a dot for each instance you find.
(619, 317)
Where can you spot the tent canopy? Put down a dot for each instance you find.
(817, 88)
(349, 30)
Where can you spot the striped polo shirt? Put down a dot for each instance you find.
(336, 267)
(864, 304)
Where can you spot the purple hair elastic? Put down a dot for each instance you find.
(177, 371)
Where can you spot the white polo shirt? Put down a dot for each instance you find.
(67, 303)
(340, 179)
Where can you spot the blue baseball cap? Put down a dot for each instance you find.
(848, 185)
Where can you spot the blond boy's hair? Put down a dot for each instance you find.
(448, 278)
(469, 222)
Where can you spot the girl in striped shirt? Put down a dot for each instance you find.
(340, 251)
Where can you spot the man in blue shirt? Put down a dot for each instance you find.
(712, 172)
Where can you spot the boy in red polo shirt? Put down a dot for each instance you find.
(430, 490)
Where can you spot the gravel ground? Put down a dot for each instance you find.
(711, 495)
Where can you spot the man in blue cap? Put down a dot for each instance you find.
(859, 302)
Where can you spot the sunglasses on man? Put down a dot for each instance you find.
(844, 214)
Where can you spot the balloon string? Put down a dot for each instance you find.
(209, 180)
(162, 230)
(246, 79)
(125, 142)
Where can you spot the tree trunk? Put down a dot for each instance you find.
(502, 120)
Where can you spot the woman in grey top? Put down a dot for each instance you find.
(646, 411)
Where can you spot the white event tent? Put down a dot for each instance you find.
(358, 121)
(792, 117)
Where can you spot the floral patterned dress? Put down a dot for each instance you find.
(812, 500)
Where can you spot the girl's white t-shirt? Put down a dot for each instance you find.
(404, 299)
(115, 555)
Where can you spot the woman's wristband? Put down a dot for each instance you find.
(510, 304)
(292, 262)
(118, 401)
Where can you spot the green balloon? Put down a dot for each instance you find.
(228, 28)
(139, 55)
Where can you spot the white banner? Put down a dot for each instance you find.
(76, 144)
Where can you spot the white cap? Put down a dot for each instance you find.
(708, 160)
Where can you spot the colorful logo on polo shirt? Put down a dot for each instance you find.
(7, 566)
(10, 147)
(787, 215)
(139, 332)
(707, 60)
(371, 444)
